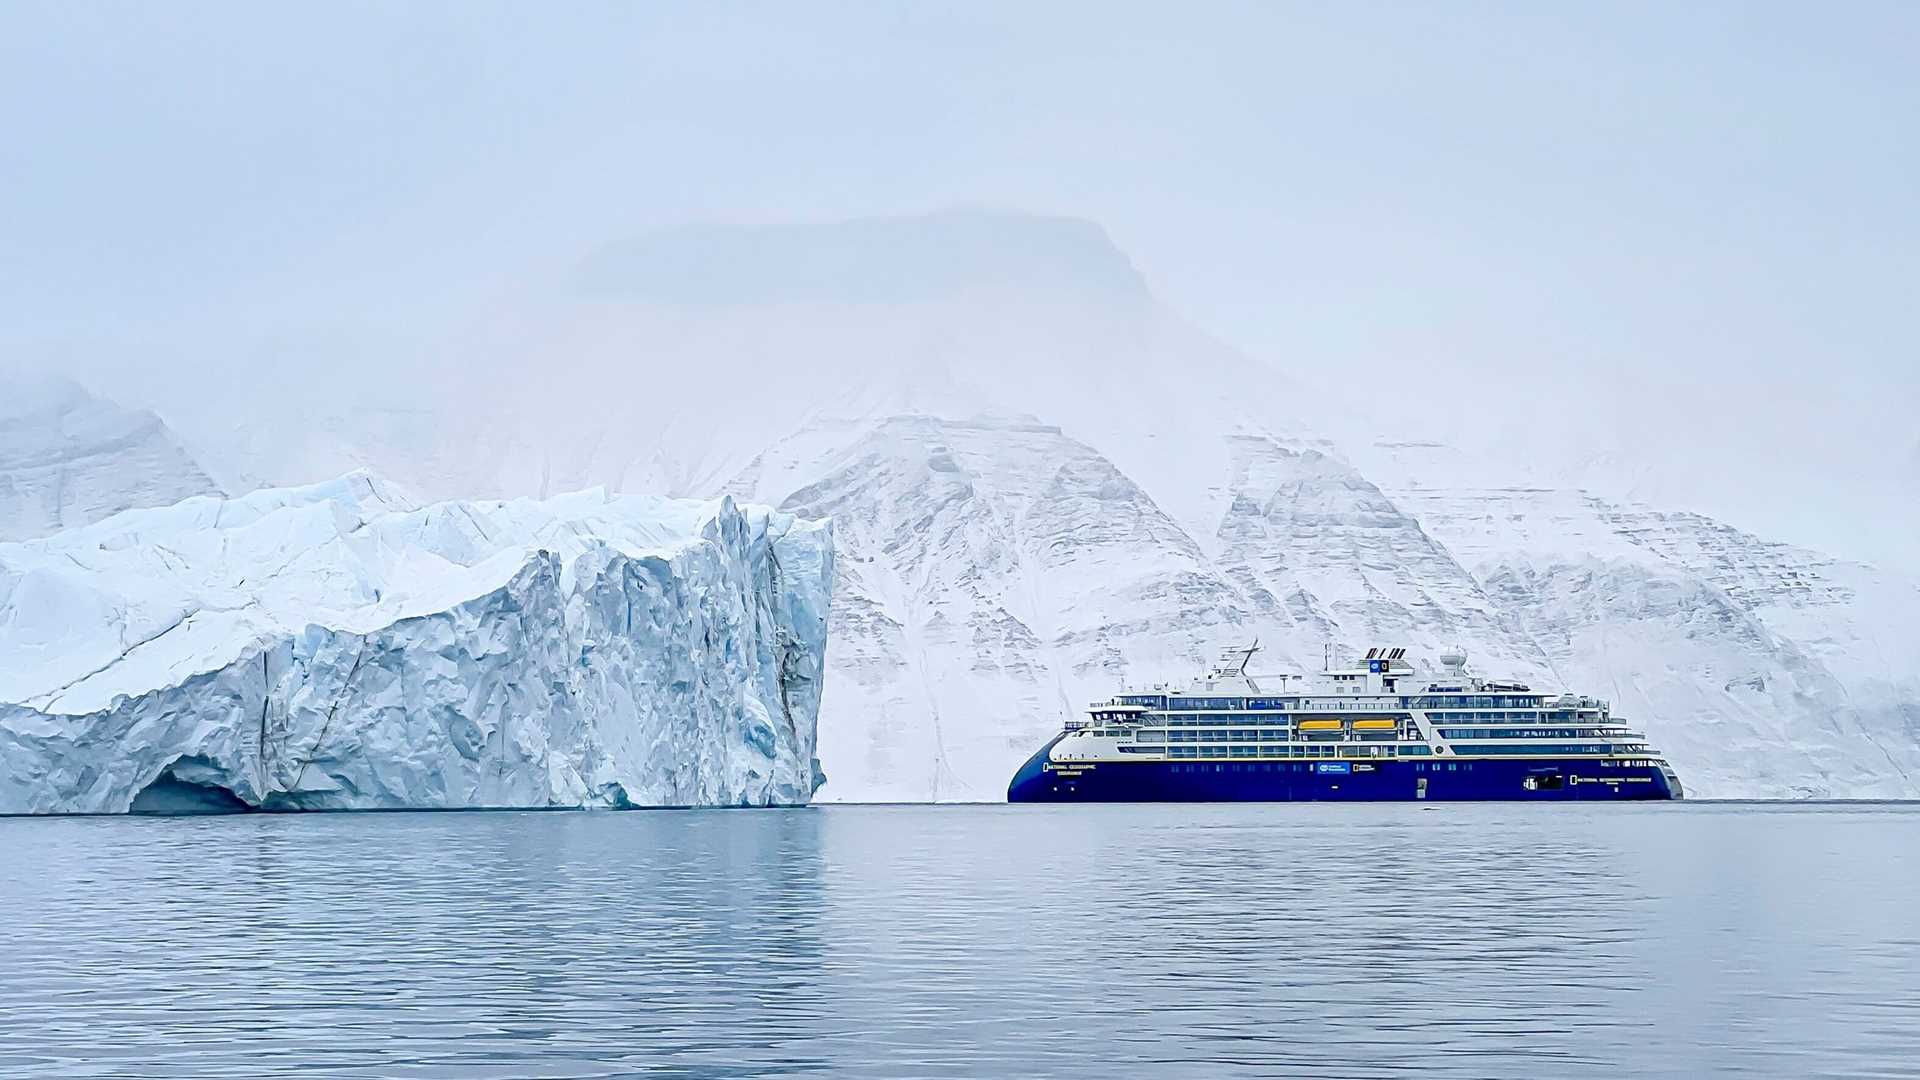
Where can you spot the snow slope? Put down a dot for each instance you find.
(68, 458)
(338, 646)
(1764, 669)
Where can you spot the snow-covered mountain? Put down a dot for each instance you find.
(998, 575)
(991, 570)
(68, 458)
(1045, 483)
(1762, 668)
(338, 646)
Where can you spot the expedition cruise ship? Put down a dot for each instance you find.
(1377, 730)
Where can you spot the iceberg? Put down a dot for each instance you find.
(339, 646)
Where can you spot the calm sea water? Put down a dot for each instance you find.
(1202, 941)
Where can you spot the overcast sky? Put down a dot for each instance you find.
(1698, 195)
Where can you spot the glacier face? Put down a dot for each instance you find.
(68, 458)
(1045, 485)
(337, 646)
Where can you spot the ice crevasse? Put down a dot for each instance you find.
(338, 646)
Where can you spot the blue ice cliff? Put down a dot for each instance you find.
(338, 646)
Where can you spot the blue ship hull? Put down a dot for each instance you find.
(1381, 780)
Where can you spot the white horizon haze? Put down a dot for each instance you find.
(1541, 234)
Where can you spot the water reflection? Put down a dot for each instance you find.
(1188, 941)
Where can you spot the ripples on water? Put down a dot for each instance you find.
(1203, 941)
